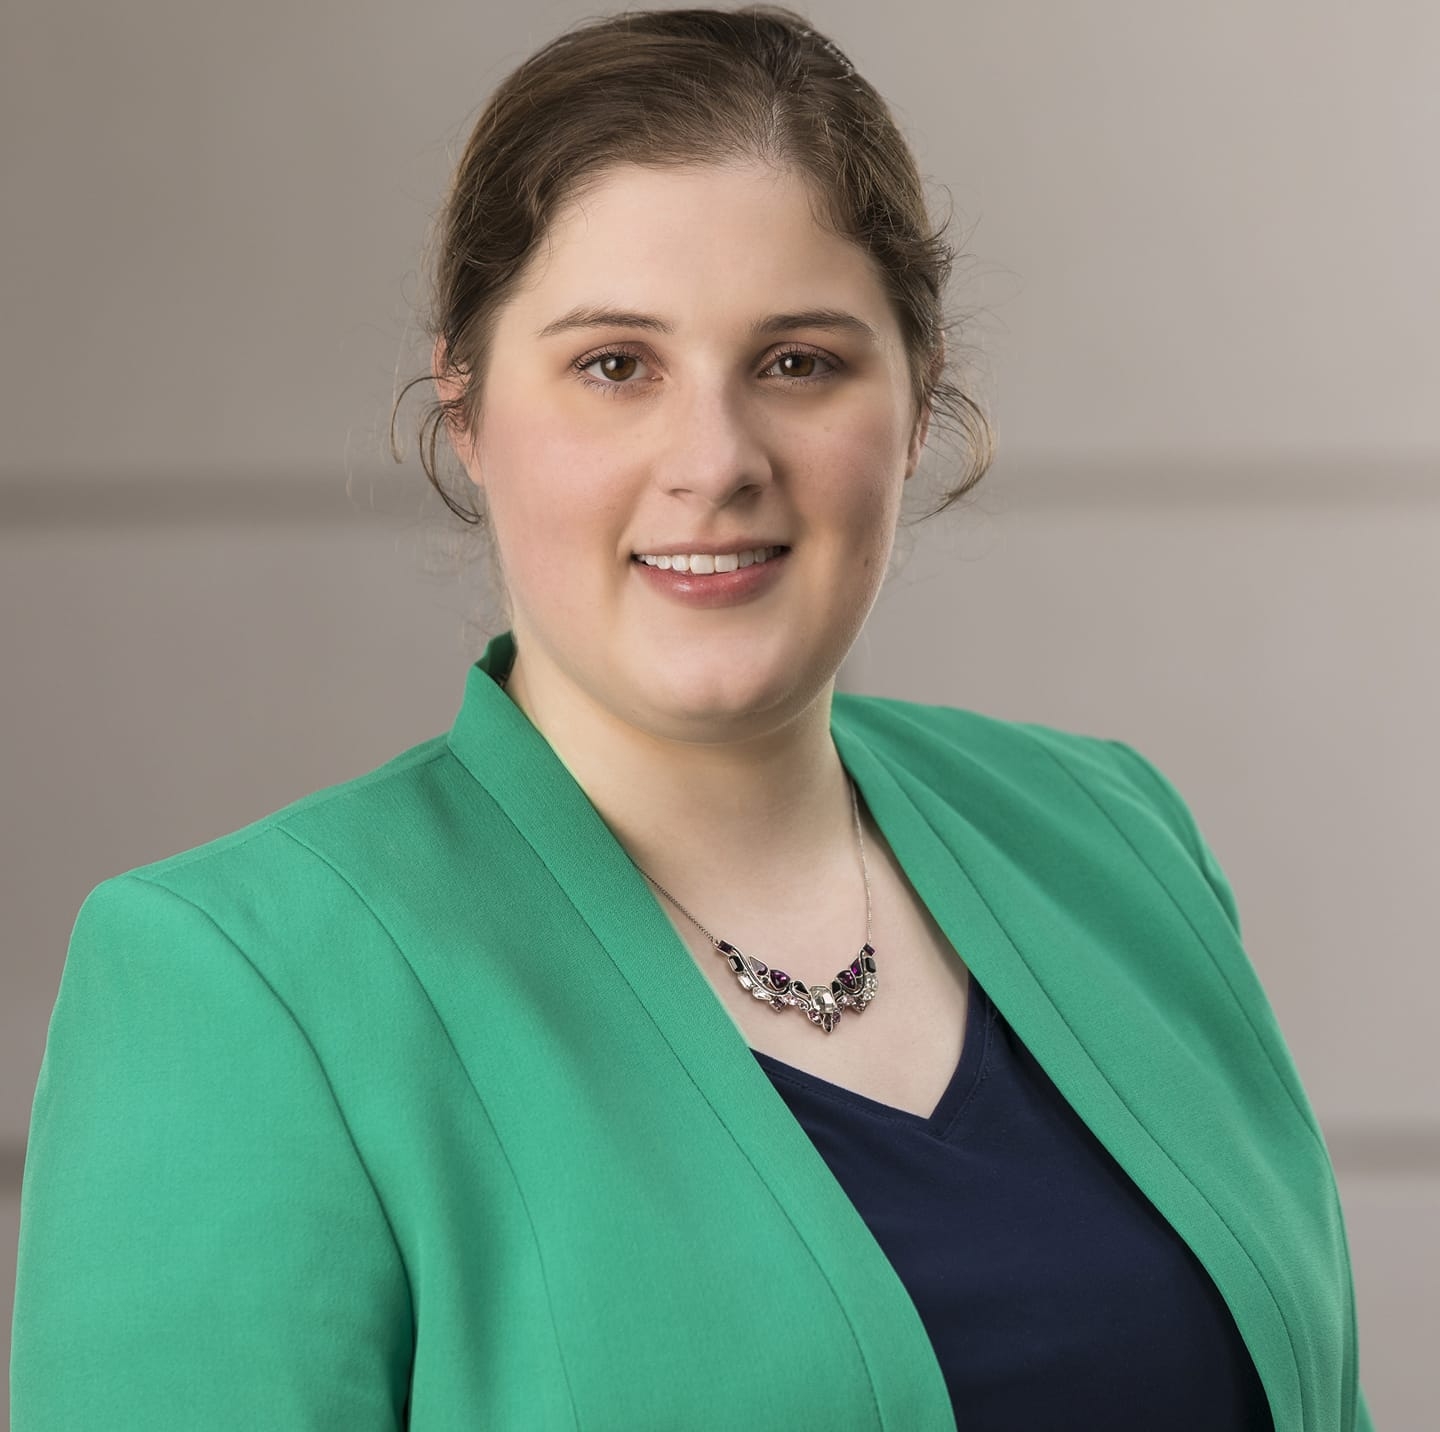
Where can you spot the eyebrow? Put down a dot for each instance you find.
(834, 319)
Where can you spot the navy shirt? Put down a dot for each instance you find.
(1054, 1293)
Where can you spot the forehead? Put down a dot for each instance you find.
(697, 241)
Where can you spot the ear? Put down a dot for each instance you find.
(917, 444)
(449, 388)
(922, 423)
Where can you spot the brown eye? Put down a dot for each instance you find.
(787, 358)
(608, 361)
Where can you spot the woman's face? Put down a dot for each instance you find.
(666, 381)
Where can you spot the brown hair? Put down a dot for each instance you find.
(670, 87)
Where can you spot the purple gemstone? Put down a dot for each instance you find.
(779, 979)
(855, 968)
(847, 978)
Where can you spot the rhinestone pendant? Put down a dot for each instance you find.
(852, 988)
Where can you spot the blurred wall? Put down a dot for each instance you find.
(1205, 300)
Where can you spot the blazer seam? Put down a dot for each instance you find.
(739, 1144)
(277, 820)
(1138, 764)
(1138, 1122)
(479, 1097)
(1205, 945)
(319, 1064)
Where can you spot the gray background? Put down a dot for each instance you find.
(1203, 244)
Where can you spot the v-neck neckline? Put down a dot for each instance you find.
(940, 1122)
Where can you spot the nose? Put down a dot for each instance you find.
(717, 454)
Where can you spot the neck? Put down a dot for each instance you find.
(766, 817)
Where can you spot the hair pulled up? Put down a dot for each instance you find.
(674, 87)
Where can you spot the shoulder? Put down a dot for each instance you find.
(296, 931)
(945, 747)
(390, 792)
(278, 883)
(933, 740)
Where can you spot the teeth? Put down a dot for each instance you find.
(704, 562)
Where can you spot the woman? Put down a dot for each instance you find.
(468, 1093)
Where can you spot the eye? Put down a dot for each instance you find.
(618, 365)
(805, 356)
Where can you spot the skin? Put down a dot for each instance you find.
(701, 736)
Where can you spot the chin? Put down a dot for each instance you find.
(699, 704)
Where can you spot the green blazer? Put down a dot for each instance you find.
(407, 1102)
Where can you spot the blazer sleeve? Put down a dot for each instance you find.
(200, 1244)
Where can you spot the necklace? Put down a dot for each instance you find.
(852, 988)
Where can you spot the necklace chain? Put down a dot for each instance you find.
(853, 988)
(864, 872)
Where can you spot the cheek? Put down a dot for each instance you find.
(860, 476)
(549, 493)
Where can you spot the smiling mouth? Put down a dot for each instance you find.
(709, 563)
